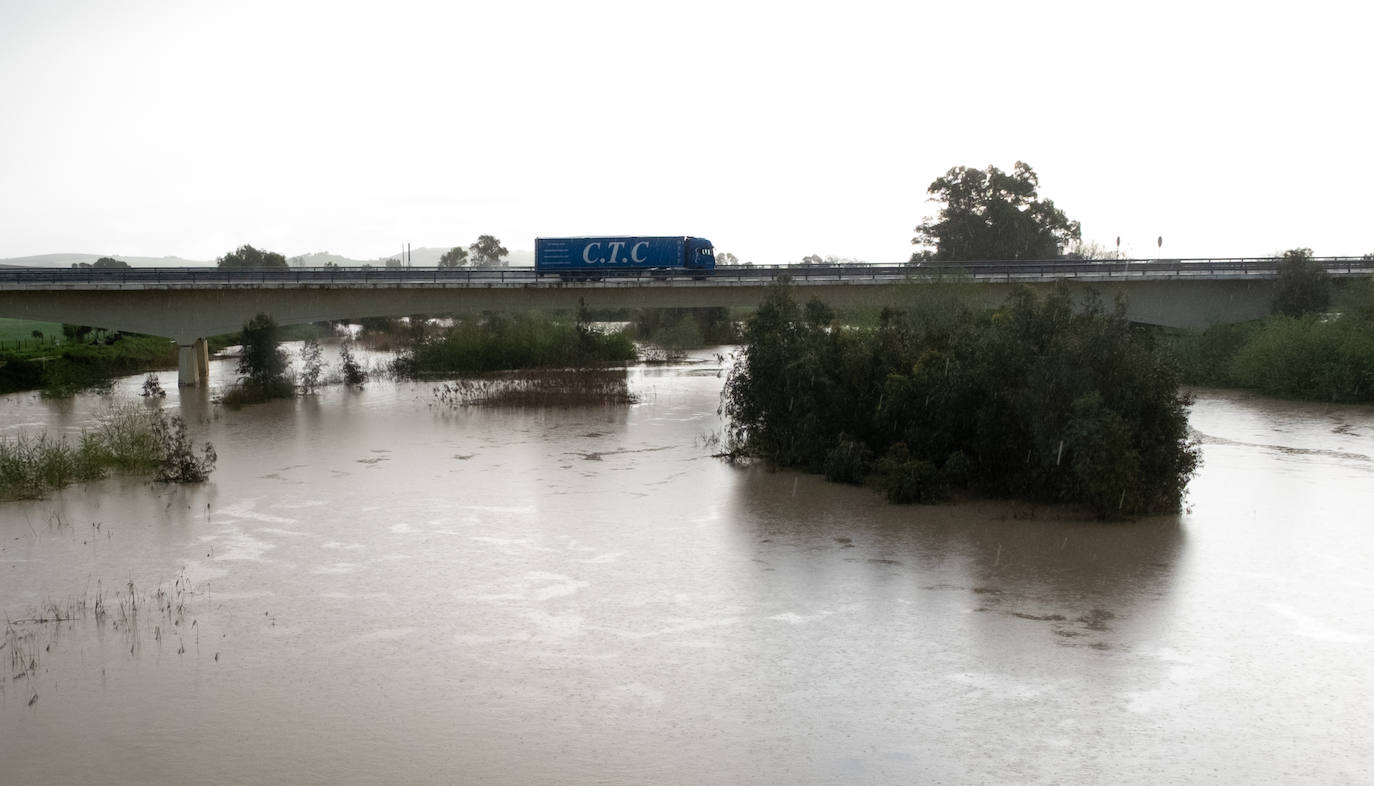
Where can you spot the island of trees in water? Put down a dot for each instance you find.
(1042, 399)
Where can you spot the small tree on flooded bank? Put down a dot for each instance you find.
(312, 364)
(263, 366)
(353, 374)
(1042, 399)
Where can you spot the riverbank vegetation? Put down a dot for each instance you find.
(1040, 399)
(62, 363)
(1318, 344)
(499, 342)
(130, 439)
(673, 331)
(549, 387)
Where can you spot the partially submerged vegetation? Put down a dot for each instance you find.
(1040, 399)
(129, 439)
(1301, 351)
(539, 388)
(264, 370)
(673, 331)
(501, 342)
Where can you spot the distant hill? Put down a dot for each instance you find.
(419, 257)
(67, 260)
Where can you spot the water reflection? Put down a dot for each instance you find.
(1086, 583)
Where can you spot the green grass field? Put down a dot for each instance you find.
(16, 331)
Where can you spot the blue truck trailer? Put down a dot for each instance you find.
(581, 258)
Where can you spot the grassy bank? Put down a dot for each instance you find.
(18, 334)
(61, 369)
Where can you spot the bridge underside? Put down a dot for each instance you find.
(190, 315)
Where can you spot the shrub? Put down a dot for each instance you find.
(152, 388)
(177, 459)
(312, 366)
(262, 362)
(848, 461)
(1307, 357)
(905, 479)
(353, 374)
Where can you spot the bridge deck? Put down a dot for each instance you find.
(50, 279)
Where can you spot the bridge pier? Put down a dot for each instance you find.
(193, 363)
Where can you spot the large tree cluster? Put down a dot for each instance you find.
(1042, 399)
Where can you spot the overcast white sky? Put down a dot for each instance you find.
(151, 128)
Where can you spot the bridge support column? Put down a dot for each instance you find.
(191, 369)
(203, 360)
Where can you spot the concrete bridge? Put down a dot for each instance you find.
(190, 304)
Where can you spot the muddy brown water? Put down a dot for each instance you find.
(372, 588)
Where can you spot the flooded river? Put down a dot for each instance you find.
(372, 588)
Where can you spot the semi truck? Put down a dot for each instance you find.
(585, 258)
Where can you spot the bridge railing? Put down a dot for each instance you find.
(988, 270)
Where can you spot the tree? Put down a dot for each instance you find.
(102, 263)
(989, 214)
(262, 363)
(247, 256)
(488, 251)
(1303, 286)
(353, 374)
(814, 259)
(312, 364)
(726, 258)
(455, 257)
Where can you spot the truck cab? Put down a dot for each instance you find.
(700, 254)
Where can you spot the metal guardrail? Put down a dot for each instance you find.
(986, 271)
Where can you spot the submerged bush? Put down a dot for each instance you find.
(177, 460)
(679, 329)
(1041, 398)
(353, 374)
(128, 440)
(905, 479)
(539, 388)
(263, 366)
(498, 342)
